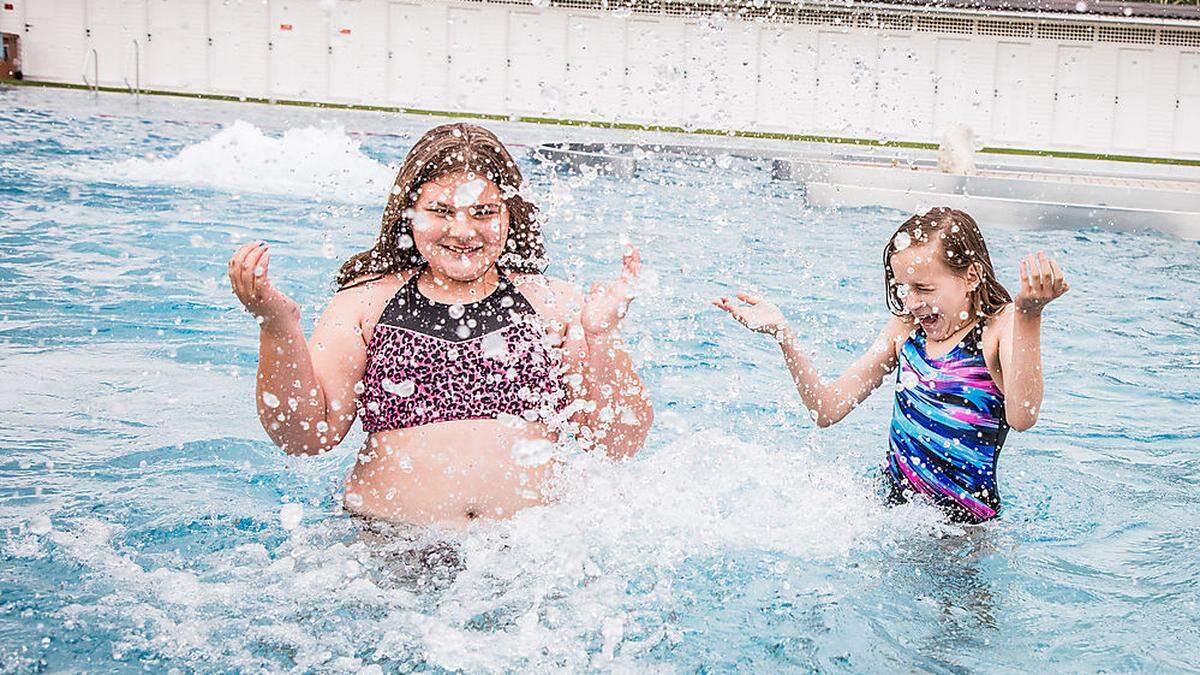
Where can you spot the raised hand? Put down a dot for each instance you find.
(760, 316)
(607, 302)
(1042, 280)
(248, 276)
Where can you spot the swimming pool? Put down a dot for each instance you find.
(147, 521)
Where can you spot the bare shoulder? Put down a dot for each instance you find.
(896, 332)
(999, 324)
(550, 296)
(363, 298)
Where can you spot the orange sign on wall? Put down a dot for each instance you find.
(285, 26)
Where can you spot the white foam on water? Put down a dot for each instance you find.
(314, 162)
(546, 591)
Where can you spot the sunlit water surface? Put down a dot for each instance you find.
(145, 520)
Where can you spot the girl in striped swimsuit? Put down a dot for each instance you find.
(968, 358)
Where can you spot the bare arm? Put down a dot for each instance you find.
(829, 402)
(620, 415)
(304, 389)
(617, 414)
(1021, 344)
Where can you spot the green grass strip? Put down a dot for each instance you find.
(772, 135)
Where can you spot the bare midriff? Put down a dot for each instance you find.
(448, 473)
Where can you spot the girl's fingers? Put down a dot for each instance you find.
(1024, 273)
(632, 261)
(249, 265)
(747, 298)
(1047, 271)
(261, 282)
(1059, 279)
(240, 254)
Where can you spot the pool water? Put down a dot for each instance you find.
(147, 522)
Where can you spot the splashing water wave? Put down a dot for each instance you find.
(322, 162)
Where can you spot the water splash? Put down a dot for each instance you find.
(321, 163)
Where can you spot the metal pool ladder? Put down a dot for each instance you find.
(94, 85)
(136, 87)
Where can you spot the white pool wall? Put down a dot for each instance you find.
(1082, 83)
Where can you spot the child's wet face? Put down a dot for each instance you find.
(936, 295)
(460, 225)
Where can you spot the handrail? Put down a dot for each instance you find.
(94, 85)
(136, 87)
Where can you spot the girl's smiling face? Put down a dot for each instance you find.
(937, 296)
(460, 225)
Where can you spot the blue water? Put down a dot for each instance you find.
(140, 502)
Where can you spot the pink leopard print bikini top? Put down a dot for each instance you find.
(430, 362)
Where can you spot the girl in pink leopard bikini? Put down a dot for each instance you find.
(464, 362)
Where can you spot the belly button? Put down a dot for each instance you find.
(471, 515)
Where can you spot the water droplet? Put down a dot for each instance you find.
(494, 346)
(463, 332)
(403, 389)
(290, 515)
(353, 500)
(901, 241)
(506, 301)
(909, 379)
(532, 452)
(963, 315)
(40, 524)
(456, 311)
(270, 399)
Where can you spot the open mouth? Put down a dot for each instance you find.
(927, 320)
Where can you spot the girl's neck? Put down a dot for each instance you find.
(958, 332)
(450, 291)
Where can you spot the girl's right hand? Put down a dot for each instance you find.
(248, 276)
(760, 316)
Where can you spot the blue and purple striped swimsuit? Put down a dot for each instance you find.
(947, 428)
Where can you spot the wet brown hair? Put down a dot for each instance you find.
(961, 245)
(446, 149)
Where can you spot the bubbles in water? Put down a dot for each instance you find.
(463, 331)
(404, 241)
(290, 515)
(506, 301)
(271, 400)
(403, 389)
(456, 311)
(963, 315)
(901, 241)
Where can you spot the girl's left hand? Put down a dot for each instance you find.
(607, 302)
(1042, 280)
